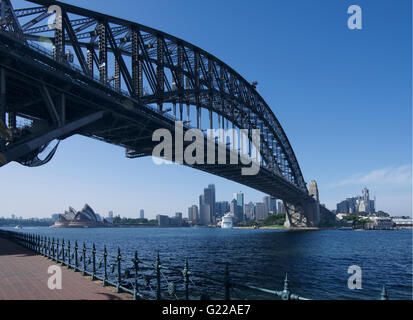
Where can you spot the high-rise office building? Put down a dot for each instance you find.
(358, 204)
(205, 214)
(249, 211)
(211, 187)
(142, 214)
(209, 199)
(193, 214)
(234, 208)
(273, 205)
(260, 212)
(222, 208)
(240, 203)
(267, 204)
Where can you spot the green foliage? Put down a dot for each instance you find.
(26, 223)
(128, 221)
(382, 214)
(274, 220)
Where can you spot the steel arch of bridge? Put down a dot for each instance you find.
(158, 68)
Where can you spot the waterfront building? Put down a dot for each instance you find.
(383, 223)
(267, 204)
(205, 214)
(358, 204)
(249, 211)
(142, 214)
(260, 213)
(163, 220)
(209, 199)
(193, 215)
(343, 207)
(283, 210)
(212, 202)
(279, 207)
(221, 208)
(240, 204)
(273, 205)
(234, 208)
(86, 218)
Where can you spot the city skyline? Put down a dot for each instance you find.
(343, 91)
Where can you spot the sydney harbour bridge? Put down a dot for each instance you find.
(65, 70)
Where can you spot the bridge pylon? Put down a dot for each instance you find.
(303, 215)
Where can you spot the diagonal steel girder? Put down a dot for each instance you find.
(23, 149)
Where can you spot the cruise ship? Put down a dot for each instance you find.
(227, 221)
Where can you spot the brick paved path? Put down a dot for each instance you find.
(23, 276)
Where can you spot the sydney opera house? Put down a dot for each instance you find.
(86, 218)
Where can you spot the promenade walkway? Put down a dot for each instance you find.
(23, 276)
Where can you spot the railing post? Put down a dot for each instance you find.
(57, 250)
(158, 277)
(48, 247)
(69, 258)
(63, 252)
(136, 267)
(119, 277)
(93, 262)
(227, 283)
(42, 245)
(84, 259)
(105, 275)
(186, 280)
(53, 250)
(76, 257)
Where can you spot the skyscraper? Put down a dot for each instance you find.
(222, 208)
(207, 205)
(193, 214)
(205, 214)
(273, 205)
(239, 197)
(249, 211)
(142, 214)
(267, 204)
(260, 213)
(234, 208)
(210, 199)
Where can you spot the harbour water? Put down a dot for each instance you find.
(317, 262)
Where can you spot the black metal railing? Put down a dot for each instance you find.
(142, 279)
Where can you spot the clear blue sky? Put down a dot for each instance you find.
(343, 97)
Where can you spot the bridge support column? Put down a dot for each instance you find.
(3, 95)
(303, 215)
(295, 216)
(3, 128)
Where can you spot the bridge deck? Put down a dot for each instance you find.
(23, 276)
